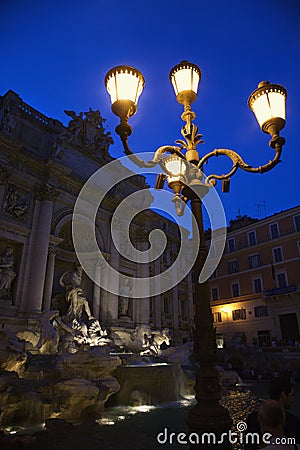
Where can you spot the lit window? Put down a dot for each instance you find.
(252, 238)
(219, 340)
(277, 254)
(217, 317)
(239, 314)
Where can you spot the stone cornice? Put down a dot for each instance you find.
(14, 228)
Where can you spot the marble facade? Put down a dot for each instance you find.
(43, 166)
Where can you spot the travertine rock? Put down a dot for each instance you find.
(93, 364)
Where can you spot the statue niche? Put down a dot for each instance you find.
(7, 274)
(76, 320)
(124, 298)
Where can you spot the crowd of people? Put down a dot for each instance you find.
(273, 417)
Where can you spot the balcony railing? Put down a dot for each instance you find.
(33, 113)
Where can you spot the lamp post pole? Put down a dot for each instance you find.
(207, 416)
(183, 170)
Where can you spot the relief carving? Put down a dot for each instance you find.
(16, 202)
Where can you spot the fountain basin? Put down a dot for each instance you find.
(148, 384)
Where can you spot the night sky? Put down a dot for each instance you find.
(55, 55)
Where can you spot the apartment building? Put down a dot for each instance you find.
(255, 290)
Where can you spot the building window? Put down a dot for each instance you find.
(252, 238)
(257, 285)
(297, 223)
(214, 293)
(231, 245)
(233, 266)
(219, 340)
(214, 274)
(281, 280)
(217, 317)
(274, 231)
(254, 261)
(277, 254)
(261, 311)
(235, 289)
(239, 314)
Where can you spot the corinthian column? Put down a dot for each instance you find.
(46, 195)
(112, 300)
(96, 291)
(142, 305)
(49, 277)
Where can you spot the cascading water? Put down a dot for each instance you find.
(148, 384)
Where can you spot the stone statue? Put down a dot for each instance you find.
(159, 338)
(59, 145)
(89, 131)
(78, 305)
(44, 340)
(156, 340)
(76, 323)
(75, 123)
(135, 341)
(7, 273)
(125, 294)
(71, 278)
(142, 340)
(87, 329)
(9, 119)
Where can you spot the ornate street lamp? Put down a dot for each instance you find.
(182, 167)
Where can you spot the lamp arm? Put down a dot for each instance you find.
(132, 156)
(167, 148)
(238, 162)
(180, 204)
(157, 155)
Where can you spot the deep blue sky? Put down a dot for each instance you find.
(55, 56)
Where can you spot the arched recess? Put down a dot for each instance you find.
(66, 256)
(62, 227)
